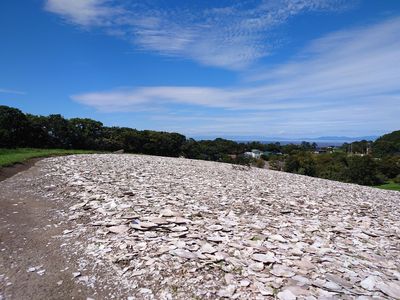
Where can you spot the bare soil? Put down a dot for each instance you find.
(28, 239)
(7, 172)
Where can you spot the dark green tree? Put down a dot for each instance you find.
(85, 133)
(362, 170)
(389, 166)
(332, 166)
(59, 132)
(14, 127)
(301, 162)
(388, 144)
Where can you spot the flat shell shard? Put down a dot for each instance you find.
(227, 292)
(369, 283)
(264, 289)
(179, 229)
(215, 238)
(125, 258)
(130, 216)
(278, 238)
(339, 280)
(145, 291)
(119, 229)
(371, 234)
(286, 295)
(41, 272)
(265, 258)
(297, 290)
(178, 220)
(157, 220)
(78, 206)
(143, 225)
(178, 234)
(214, 227)
(208, 248)
(147, 224)
(332, 286)
(169, 213)
(301, 280)
(390, 288)
(245, 283)
(257, 266)
(229, 278)
(103, 223)
(304, 265)
(183, 254)
(282, 271)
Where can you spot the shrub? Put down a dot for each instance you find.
(362, 170)
(260, 163)
(276, 163)
(389, 166)
(301, 163)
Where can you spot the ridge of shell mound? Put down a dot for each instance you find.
(172, 228)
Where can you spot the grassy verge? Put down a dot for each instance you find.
(9, 157)
(390, 186)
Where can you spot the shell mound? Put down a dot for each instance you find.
(170, 228)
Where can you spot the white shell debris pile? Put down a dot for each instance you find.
(172, 228)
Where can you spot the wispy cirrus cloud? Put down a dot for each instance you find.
(84, 12)
(8, 91)
(347, 76)
(230, 36)
(352, 120)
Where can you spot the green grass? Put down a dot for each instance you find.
(9, 157)
(390, 186)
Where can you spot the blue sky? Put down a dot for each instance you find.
(288, 68)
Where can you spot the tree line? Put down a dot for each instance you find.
(380, 160)
(339, 166)
(54, 131)
(362, 162)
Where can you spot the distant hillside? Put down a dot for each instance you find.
(345, 138)
(388, 144)
(323, 139)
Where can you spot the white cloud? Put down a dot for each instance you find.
(350, 120)
(83, 12)
(7, 91)
(231, 36)
(349, 77)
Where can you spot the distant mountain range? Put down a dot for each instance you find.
(343, 138)
(324, 139)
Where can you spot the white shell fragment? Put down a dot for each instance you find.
(118, 229)
(265, 258)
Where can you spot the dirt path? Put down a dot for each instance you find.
(7, 172)
(31, 263)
